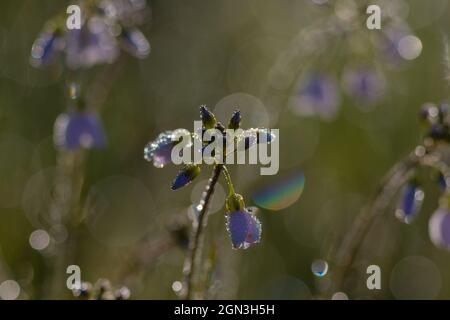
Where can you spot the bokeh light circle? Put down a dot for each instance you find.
(9, 290)
(409, 47)
(281, 193)
(339, 296)
(254, 112)
(39, 239)
(38, 195)
(415, 278)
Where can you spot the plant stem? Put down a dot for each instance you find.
(228, 180)
(191, 263)
(353, 241)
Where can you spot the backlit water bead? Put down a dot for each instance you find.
(280, 194)
(254, 136)
(411, 200)
(177, 286)
(159, 151)
(439, 228)
(319, 267)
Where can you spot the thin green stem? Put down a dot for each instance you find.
(192, 262)
(228, 180)
(354, 239)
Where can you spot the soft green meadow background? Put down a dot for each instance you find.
(222, 53)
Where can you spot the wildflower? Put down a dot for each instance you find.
(244, 228)
(241, 222)
(134, 42)
(317, 95)
(185, 176)
(45, 47)
(79, 129)
(364, 83)
(254, 136)
(439, 228)
(107, 27)
(159, 151)
(235, 121)
(208, 119)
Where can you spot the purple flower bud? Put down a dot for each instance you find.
(159, 151)
(439, 132)
(135, 43)
(185, 176)
(441, 182)
(235, 120)
(439, 228)
(44, 48)
(317, 95)
(76, 130)
(208, 118)
(410, 202)
(244, 228)
(254, 136)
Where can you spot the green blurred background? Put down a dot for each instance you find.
(224, 54)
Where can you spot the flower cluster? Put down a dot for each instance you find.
(107, 26)
(319, 92)
(242, 224)
(432, 154)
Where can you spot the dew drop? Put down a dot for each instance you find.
(319, 267)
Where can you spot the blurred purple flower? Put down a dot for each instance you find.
(128, 12)
(399, 44)
(109, 25)
(317, 95)
(135, 43)
(365, 84)
(76, 130)
(410, 202)
(44, 48)
(92, 44)
(244, 228)
(439, 228)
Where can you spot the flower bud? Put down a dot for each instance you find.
(185, 176)
(208, 118)
(235, 120)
